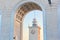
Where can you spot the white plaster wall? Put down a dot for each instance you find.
(59, 20)
(52, 24)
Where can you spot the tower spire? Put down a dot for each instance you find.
(34, 20)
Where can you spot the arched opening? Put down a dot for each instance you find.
(28, 23)
(19, 18)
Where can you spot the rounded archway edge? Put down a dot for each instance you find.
(15, 9)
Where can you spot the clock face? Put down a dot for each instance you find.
(33, 31)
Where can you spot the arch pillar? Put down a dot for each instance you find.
(18, 30)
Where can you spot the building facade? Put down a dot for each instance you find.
(9, 9)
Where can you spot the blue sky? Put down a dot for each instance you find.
(28, 22)
(30, 16)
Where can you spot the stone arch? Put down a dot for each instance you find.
(28, 3)
(25, 8)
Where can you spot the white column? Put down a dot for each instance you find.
(0, 23)
(0, 27)
(6, 25)
(52, 29)
(58, 20)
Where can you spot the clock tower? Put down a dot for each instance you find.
(34, 31)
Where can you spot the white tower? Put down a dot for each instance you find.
(34, 31)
